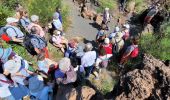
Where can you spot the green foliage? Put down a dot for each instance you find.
(112, 4)
(4, 13)
(65, 14)
(157, 47)
(43, 8)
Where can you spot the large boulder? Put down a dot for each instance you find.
(71, 93)
(150, 81)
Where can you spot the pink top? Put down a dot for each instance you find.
(39, 29)
(56, 39)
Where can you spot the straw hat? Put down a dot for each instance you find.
(12, 66)
(10, 20)
(35, 84)
(4, 90)
(64, 64)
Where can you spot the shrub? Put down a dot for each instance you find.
(43, 8)
(112, 4)
(4, 13)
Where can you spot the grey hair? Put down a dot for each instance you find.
(88, 47)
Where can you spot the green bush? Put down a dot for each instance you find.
(43, 8)
(4, 13)
(157, 47)
(112, 4)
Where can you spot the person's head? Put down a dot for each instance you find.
(64, 64)
(135, 40)
(34, 30)
(41, 56)
(34, 18)
(58, 9)
(117, 29)
(23, 13)
(12, 21)
(88, 47)
(106, 9)
(12, 66)
(126, 26)
(55, 15)
(56, 32)
(106, 41)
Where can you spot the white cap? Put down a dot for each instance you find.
(127, 26)
(56, 15)
(34, 18)
(64, 64)
(11, 20)
(106, 41)
(106, 9)
(117, 29)
(12, 66)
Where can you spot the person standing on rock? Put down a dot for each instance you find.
(152, 12)
(106, 17)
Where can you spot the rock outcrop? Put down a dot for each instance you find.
(71, 93)
(151, 81)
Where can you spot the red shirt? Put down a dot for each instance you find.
(108, 48)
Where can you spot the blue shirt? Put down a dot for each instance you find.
(25, 22)
(13, 31)
(57, 24)
(59, 74)
(4, 54)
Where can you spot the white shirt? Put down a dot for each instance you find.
(88, 59)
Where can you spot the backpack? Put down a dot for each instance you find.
(135, 52)
(29, 46)
(4, 36)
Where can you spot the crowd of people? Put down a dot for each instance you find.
(19, 79)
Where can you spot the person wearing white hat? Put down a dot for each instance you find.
(107, 47)
(106, 17)
(59, 41)
(88, 60)
(5, 93)
(117, 42)
(111, 35)
(65, 73)
(12, 31)
(126, 31)
(35, 23)
(18, 68)
(38, 90)
(56, 22)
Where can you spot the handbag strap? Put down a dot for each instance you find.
(7, 82)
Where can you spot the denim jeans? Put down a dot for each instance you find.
(88, 70)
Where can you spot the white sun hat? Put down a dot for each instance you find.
(34, 18)
(36, 84)
(10, 20)
(12, 66)
(106, 41)
(4, 90)
(117, 29)
(64, 64)
(126, 26)
(106, 9)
